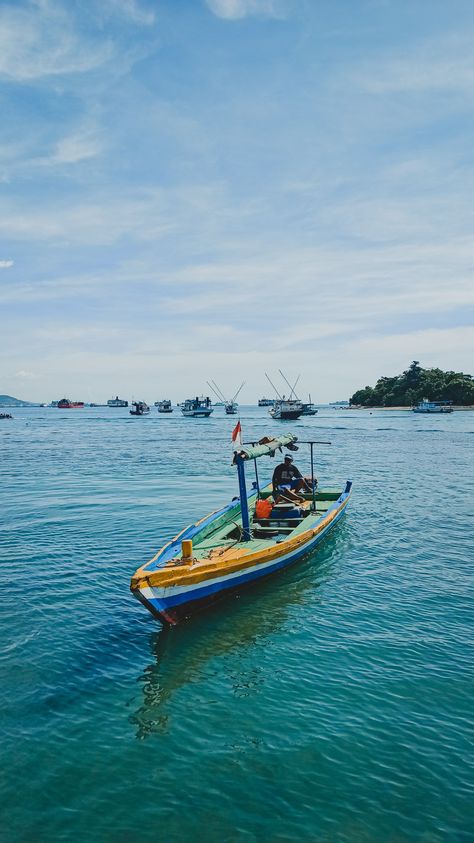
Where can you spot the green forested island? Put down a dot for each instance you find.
(415, 384)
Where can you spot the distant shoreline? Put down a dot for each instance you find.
(409, 409)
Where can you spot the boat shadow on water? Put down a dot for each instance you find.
(183, 654)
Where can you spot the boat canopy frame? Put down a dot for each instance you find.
(268, 448)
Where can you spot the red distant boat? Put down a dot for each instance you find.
(67, 404)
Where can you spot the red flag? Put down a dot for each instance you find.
(237, 434)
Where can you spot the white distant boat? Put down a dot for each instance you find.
(197, 407)
(291, 407)
(426, 406)
(117, 402)
(286, 408)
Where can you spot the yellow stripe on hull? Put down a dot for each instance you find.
(230, 561)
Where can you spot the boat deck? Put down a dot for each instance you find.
(225, 534)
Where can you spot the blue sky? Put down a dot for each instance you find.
(194, 189)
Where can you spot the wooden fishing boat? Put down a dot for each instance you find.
(236, 546)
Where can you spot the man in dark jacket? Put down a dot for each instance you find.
(288, 481)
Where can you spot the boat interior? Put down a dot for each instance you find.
(285, 520)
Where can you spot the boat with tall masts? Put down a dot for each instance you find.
(241, 543)
(309, 409)
(285, 408)
(229, 404)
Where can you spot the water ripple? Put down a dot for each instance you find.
(332, 704)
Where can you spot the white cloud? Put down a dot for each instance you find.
(435, 66)
(90, 223)
(77, 147)
(6, 264)
(236, 9)
(40, 40)
(24, 375)
(132, 10)
(143, 215)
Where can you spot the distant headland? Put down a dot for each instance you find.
(9, 401)
(413, 385)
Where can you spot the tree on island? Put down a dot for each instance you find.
(415, 384)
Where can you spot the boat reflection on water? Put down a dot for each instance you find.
(183, 654)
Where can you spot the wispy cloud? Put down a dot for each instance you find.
(236, 9)
(40, 40)
(132, 10)
(201, 198)
(444, 65)
(23, 375)
(76, 147)
(103, 223)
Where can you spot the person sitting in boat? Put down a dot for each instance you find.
(287, 481)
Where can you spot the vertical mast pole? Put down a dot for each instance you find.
(256, 479)
(312, 476)
(243, 500)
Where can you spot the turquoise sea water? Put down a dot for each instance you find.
(333, 703)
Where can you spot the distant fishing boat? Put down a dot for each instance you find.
(292, 407)
(117, 402)
(197, 407)
(140, 408)
(286, 408)
(67, 404)
(265, 402)
(426, 406)
(6, 416)
(164, 406)
(229, 404)
(239, 544)
(309, 409)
